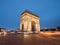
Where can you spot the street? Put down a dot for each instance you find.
(29, 39)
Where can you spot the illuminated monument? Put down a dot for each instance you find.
(29, 22)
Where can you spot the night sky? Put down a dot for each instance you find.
(47, 10)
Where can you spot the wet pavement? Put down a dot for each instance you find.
(29, 39)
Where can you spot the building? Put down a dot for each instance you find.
(3, 31)
(29, 22)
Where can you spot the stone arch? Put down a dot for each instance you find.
(22, 27)
(33, 28)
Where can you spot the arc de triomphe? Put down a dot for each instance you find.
(29, 22)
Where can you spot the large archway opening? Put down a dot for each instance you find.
(33, 28)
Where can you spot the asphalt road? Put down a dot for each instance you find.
(29, 39)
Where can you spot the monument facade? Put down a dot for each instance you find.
(29, 22)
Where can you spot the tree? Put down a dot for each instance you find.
(58, 28)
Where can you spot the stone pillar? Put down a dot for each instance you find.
(29, 26)
(37, 27)
(20, 27)
(25, 26)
